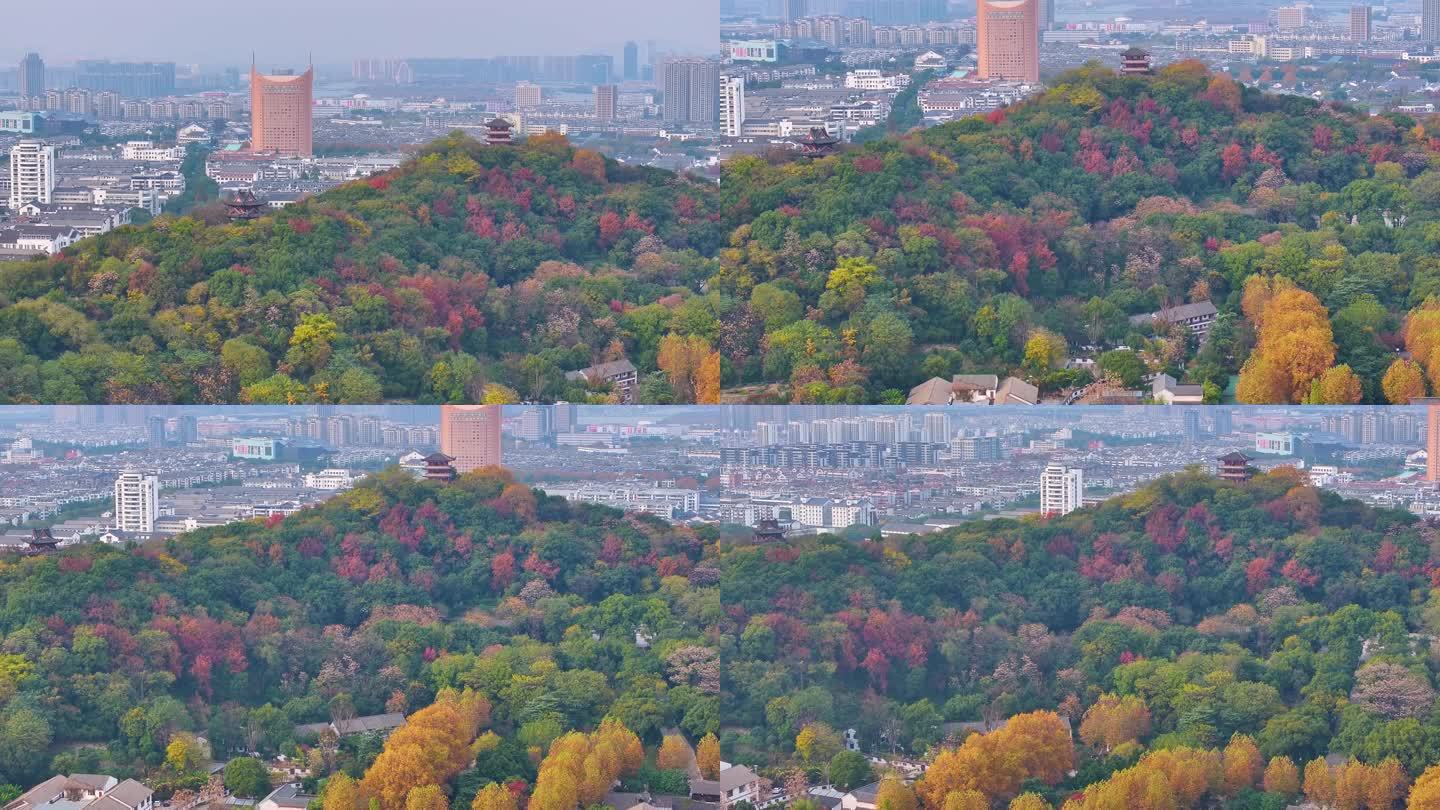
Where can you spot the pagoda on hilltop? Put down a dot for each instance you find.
(498, 132)
(1235, 466)
(242, 205)
(769, 532)
(41, 541)
(818, 143)
(1135, 62)
(439, 467)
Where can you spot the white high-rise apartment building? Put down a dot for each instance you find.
(768, 433)
(692, 90)
(137, 501)
(732, 105)
(1062, 490)
(904, 428)
(936, 428)
(32, 172)
(800, 433)
(887, 431)
(823, 431)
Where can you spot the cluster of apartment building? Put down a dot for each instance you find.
(1377, 426)
(957, 97)
(806, 101)
(182, 472)
(56, 196)
(342, 430)
(145, 506)
(841, 107)
(860, 32)
(108, 104)
(282, 180)
(839, 455)
(792, 510)
(668, 502)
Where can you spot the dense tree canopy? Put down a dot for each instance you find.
(992, 244)
(480, 604)
(1196, 638)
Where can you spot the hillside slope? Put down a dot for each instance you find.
(372, 602)
(1003, 244)
(415, 284)
(1208, 609)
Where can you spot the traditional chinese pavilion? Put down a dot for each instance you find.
(818, 143)
(1135, 62)
(1235, 467)
(41, 542)
(769, 532)
(242, 204)
(439, 467)
(498, 132)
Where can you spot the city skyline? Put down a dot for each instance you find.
(809, 468)
(336, 34)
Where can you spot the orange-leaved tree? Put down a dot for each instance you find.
(707, 756)
(1036, 745)
(1244, 766)
(1172, 777)
(494, 797)
(1294, 342)
(431, 749)
(1114, 721)
(1282, 777)
(1403, 381)
(580, 768)
(691, 366)
(1422, 338)
(1425, 793)
(674, 753)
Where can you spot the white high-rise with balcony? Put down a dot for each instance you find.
(1062, 490)
(32, 172)
(732, 105)
(137, 501)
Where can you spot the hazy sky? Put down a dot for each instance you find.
(283, 31)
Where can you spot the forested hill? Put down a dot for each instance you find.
(1006, 244)
(1009, 242)
(1171, 619)
(371, 602)
(407, 285)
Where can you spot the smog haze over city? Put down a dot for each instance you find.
(336, 32)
